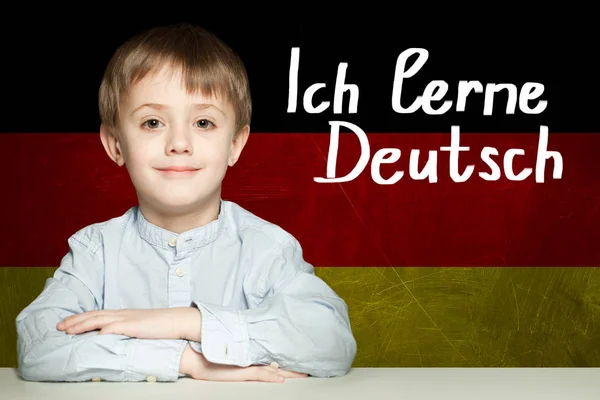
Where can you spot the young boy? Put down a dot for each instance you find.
(184, 284)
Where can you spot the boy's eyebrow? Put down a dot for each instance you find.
(203, 106)
(157, 106)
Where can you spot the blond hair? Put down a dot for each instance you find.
(208, 65)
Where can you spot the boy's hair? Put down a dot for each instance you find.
(208, 65)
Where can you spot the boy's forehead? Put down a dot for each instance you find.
(168, 87)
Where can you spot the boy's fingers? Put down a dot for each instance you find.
(291, 374)
(260, 373)
(72, 320)
(118, 328)
(287, 374)
(91, 324)
(266, 374)
(75, 319)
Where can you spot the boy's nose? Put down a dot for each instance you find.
(179, 148)
(179, 144)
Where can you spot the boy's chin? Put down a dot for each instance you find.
(171, 204)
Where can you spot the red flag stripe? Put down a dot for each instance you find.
(58, 183)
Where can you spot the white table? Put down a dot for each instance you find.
(360, 383)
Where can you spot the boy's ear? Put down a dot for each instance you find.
(111, 145)
(237, 145)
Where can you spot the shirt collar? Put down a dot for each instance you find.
(191, 239)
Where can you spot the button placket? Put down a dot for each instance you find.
(179, 290)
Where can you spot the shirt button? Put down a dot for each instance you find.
(173, 242)
(180, 272)
(151, 379)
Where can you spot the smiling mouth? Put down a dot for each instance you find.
(178, 170)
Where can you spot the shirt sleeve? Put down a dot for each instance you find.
(294, 318)
(47, 354)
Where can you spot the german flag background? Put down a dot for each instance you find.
(445, 273)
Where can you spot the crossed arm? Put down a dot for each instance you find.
(294, 319)
(158, 323)
(184, 323)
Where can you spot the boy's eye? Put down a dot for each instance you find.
(204, 123)
(152, 123)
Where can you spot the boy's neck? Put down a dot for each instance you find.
(179, 223)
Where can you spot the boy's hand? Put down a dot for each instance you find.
(162, 323)
(198, 367)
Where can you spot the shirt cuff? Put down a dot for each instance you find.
(156, 360)
(224, 335)
(196, 346)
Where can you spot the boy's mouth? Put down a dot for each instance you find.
(178, 170)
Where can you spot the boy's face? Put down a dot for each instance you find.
(175, 146)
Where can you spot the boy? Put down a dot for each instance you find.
(185, 283)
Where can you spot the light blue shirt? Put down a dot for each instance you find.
(259, 299)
